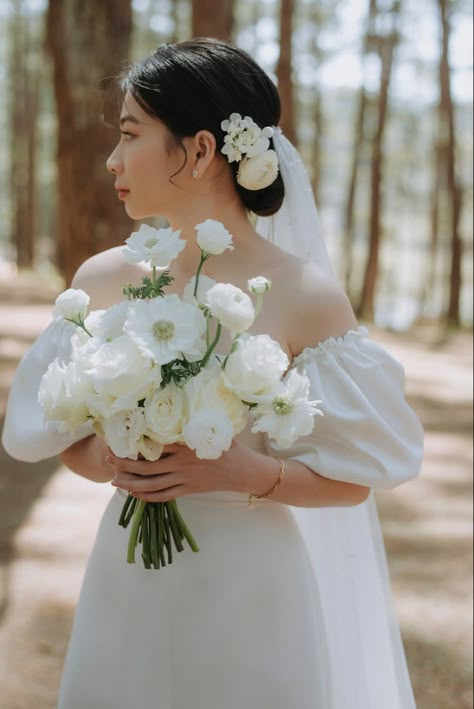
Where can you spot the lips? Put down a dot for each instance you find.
(122, 192)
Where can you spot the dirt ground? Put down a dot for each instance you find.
(48, 519)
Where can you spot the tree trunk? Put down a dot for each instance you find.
(284, 71)
(349, 216)
(89, 43)
(387, 51)
(448, 138)
(213, 19)
(23, 138)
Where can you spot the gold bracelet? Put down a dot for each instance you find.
(273, 487)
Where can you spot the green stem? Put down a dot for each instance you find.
(182, 525)
(125, 508)
(204, 257)
(146, 545)
(212, 346)
(167, 533)
(79, 323)
(174, 526)
(133, 538)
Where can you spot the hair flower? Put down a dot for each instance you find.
(247, 142)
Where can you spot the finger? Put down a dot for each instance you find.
(139, 484)
(169, 493)
(141, 467)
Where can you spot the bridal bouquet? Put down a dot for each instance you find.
(146, 373)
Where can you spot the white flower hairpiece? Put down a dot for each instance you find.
(249, 144)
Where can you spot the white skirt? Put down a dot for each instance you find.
(236, 625)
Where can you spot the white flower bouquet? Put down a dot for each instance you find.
(146, 373)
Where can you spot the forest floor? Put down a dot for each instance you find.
(49, 516)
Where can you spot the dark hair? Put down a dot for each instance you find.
(195, 85)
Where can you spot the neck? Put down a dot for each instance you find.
(232, 215)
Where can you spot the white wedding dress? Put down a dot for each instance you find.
(275, 611)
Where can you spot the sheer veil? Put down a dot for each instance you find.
(366, 661)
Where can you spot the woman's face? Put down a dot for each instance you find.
(143, 162)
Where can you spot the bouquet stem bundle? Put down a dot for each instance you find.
(156, 525)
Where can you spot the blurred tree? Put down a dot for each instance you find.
(357, 149)
(387, 39)
(24, 67)
(446, 180)
(213, 19)
(89, 42)
(284, 70)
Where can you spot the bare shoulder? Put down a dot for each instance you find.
(102, 276)
(317, 306)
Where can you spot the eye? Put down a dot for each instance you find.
(127, 134)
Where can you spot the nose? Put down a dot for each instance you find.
(113, 163)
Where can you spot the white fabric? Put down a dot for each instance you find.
(275, 610)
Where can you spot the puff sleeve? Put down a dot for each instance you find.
(25, 436)
(368, 434)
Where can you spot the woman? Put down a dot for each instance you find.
(287, 605)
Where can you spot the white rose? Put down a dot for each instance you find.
(209, 433)
(124, 431)
(204, 285)
(254, 369)
(208, 390)
(166, 413)
(72, 304)
(231, 306)
(157, 246)
(62, 393)
(290, 414)
(259, 285)
(258, 172)
(213, 237)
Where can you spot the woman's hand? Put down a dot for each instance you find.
(180, 472)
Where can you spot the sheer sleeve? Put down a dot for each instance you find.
(25, 436)
(368, 434)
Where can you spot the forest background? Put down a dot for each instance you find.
(377, 95)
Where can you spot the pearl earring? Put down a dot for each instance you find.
(195, 173)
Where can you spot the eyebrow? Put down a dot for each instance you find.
(130, 118)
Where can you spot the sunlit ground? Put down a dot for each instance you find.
(49, 517)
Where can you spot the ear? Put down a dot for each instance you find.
(201, 151)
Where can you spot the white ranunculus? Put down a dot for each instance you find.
(208, 390)
(204, 285)
(213, 237)
(62, 393)
(72, 304)
(231, 306)
(166, 328)
(209, 433)
(290, 414)
(166, 413)
(259, 285)
(258, 172)
(112, 320)
(124, 432)
(156, 246)
(254, 369)
(148, 448)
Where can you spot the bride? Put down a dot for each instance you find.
(288, 603)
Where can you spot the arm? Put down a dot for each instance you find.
(87, 458)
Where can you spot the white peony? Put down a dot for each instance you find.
(166, 328)
(259, 285)
(231, 306)
(166, 413)
(208, 390)
(213, 238)
(204, 285)
(72, 304)
(258, 172)
(254, 369)
(209, 433)
(113, 319)
(289, 414)
(157, 246)
(62, 393)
